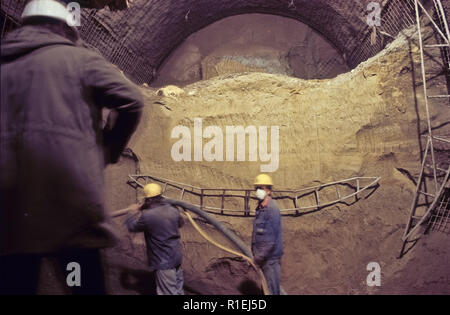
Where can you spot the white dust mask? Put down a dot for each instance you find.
(260, 194)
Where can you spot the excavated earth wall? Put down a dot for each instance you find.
(362, 123)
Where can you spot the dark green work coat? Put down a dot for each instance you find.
(52, 144)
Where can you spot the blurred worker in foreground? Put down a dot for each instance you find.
(267, 243)
(160, 223)
(53, 150)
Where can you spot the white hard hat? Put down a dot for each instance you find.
(47, 8)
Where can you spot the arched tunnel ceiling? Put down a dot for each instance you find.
(140, 38)
(153, 28)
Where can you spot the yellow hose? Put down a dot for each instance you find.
(209, 239)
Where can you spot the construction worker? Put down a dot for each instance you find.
(267, 243)
(160, 223)
(54, 148)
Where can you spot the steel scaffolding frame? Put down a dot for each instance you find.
(432, 198)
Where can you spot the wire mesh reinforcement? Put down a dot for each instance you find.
(440, 218)
(95, 33)
(10, 13)
(13, 8)
(327, 69)
(395, 16)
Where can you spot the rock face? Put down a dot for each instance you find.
(362, 123)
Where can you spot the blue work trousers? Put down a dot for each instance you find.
(170, 281)
(272, 271)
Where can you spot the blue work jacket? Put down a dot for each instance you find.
(160, 224)
(267, 242)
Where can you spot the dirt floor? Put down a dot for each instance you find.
(365, 122)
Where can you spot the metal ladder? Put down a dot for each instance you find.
(429, 191)
(303, 200)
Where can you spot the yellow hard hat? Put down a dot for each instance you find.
(152, 190)
(263, 180)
